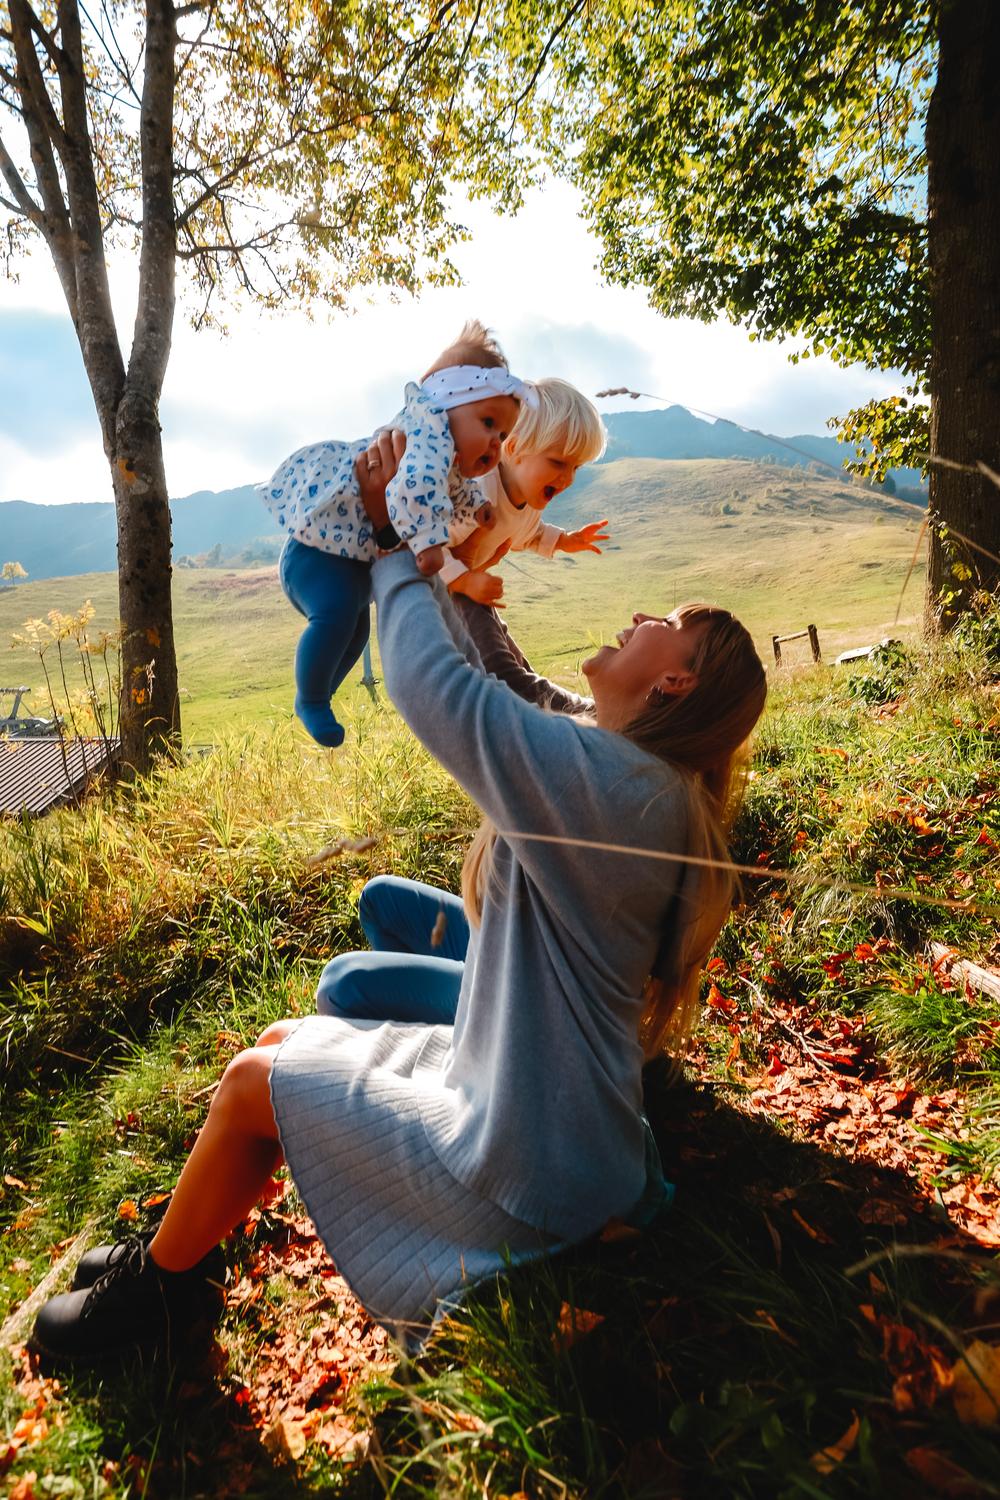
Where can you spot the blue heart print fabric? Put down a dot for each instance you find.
(314, 495)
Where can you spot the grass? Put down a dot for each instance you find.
(148, 936)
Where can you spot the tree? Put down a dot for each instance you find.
(822, 168)
(276, 152)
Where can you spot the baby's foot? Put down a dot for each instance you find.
(318, 719)
(430, 561)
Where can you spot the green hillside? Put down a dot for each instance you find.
(781, 547)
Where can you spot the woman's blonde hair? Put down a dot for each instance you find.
(704, 735)
(563, 420)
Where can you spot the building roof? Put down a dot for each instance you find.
(38, 774)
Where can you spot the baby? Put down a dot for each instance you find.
(456, 421)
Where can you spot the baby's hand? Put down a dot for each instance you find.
(584, 539)
(484, 588)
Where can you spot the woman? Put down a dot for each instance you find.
(430, 1156)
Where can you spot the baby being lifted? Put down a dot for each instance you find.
(455, 421)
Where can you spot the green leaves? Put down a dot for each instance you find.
(763, 162)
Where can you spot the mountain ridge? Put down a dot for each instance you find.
(67, 539)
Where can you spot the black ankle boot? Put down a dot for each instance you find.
(133, 1304)
(102, 1258)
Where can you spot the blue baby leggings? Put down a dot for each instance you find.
(405, 978)
(333, 593)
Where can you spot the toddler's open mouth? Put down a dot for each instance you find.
(549, 491)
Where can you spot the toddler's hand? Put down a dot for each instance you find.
(584, 539)
(430, 561)
(484, 588)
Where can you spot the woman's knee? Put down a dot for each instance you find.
(341, 989)
(272, 1035)
(373, 897)
(244, 1092)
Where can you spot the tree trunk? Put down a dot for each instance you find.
(150, 710)
(963, 152)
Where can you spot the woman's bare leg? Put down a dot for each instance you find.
(235, 1154)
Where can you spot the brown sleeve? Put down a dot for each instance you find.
(503, 658)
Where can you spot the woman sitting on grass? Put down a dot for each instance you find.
(430, 1156)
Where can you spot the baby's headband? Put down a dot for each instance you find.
(459, 385)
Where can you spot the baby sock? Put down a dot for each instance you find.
(319, 720)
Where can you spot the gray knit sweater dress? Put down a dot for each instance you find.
(430, 1157)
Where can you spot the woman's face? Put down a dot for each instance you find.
(652, 653)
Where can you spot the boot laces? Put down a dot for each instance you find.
(127, 1259)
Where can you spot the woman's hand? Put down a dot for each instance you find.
(374, 468)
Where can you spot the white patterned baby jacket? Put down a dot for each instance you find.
(314, 494)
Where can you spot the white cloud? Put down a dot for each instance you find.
(233, 407)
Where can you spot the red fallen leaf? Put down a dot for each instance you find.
(899, 1100)
(881, 1211)
(154, 1200)
(718, 1001)
(919, 824)
(984, 841)
(24, 1489)
(275, 1192)
(942, 1475)
(774, 1063)
(716, 966)
(837, 1059)
(574, 1323)
(827, 1459)
(616, 1230)
(819, 1235)
(799, 841)
(834, 964)
(864, 953)
(128, 1210)
(832, 750)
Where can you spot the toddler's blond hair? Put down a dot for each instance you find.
(563, 420)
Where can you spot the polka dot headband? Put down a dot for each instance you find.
(460, 385)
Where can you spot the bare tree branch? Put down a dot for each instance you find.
(24, 203)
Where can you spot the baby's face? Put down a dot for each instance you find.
(479, 430)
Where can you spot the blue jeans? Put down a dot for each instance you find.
(406, 977)
(334, 594)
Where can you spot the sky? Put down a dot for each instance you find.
(234, 405)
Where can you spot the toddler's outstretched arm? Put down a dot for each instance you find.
(584, 540)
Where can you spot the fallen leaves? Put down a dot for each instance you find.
(31, 1427)
(573, 1324)
(827, 1459)
(975, 1384)
(320, 1345)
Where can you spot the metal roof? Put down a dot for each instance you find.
(38, 774)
